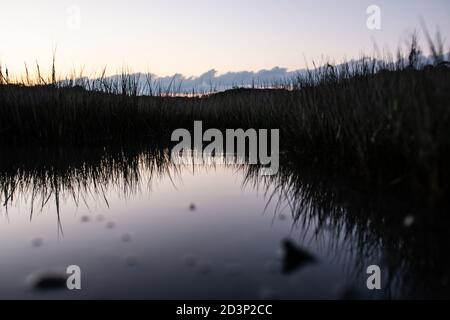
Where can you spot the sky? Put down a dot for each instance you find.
(191, 37)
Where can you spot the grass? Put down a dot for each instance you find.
(384, 122)
(343, 220)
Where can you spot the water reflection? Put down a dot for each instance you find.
(324, 231)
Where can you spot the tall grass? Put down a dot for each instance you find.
(386, 121)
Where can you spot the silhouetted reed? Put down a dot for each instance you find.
(385, 121)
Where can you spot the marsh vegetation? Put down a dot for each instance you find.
(364, 148)
(343, 222)
(385, 122)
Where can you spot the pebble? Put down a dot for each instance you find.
(126, 237)
(37, 242)
(110, 225)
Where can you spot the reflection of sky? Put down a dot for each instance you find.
(229, 228)
(191, 37)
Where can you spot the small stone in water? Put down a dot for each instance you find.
(48, 280)
(408, 221)
(272, 267)
(37, 242)
(126, 237)
(282, 217)
(131, 261)
(110, 225)
(190, 260)
(205, 268)
(85, 219)
(192, 207)
(233, 270)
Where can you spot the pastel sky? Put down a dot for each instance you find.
(192, 36)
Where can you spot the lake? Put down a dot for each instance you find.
(139, 226)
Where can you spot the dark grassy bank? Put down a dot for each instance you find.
(387, 124)
(414, 242)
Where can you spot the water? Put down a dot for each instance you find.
(141, 227)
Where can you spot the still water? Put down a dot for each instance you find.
(141, 227)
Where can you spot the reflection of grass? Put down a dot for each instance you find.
(368, 223)
(385, 122)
